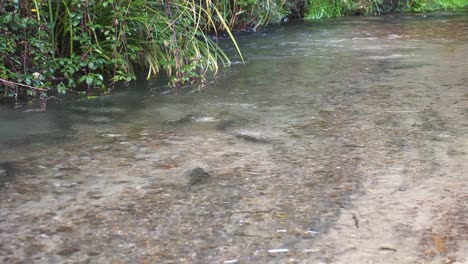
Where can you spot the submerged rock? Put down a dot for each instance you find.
(250, 137)
(224, 124)
(197, 176)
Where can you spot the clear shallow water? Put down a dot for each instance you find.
(288, 138)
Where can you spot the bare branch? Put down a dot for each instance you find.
(11, 84)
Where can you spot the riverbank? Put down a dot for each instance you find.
(53, 48)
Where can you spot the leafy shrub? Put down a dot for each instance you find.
(63, 45)
(74, 45)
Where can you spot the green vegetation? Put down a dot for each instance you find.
(70, 43)
(56, 46)
(434, 5)
(316, 9)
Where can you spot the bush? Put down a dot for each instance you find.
(57, 46)
(74, 45)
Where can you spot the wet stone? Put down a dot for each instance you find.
(74, 169)
(197, 176)
(225, 124)
(112, 135)
(205, 119)
(250, 137)
(64, 228)
(93, 254)
(94, 195)
(68, 251)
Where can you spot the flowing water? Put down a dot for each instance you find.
(340, 141)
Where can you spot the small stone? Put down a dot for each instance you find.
(205, 119)
(64, 228)
(68, 251)
(224, 124)
(278, 250)
(93, 253)
(110, 135)
(196, 176)
(250, 137)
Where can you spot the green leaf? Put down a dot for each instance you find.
(61, 88)
(92, 66)
(89, 80)
(7, 18)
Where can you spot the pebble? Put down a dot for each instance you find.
(278, 250)
(113, 135)
(205, 119)
(196, 176)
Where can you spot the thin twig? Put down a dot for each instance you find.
(44, 101)
(24, 85)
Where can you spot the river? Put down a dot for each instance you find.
(337, 141)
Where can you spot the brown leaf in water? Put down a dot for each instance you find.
(166, 167)
(439, 243)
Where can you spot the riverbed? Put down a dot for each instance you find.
(337, 141)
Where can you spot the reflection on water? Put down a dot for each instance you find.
(286, 139)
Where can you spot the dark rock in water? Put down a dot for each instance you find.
(229, 121)
(224, 124)
(68, 251)
(250, 138)
(197, 176)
